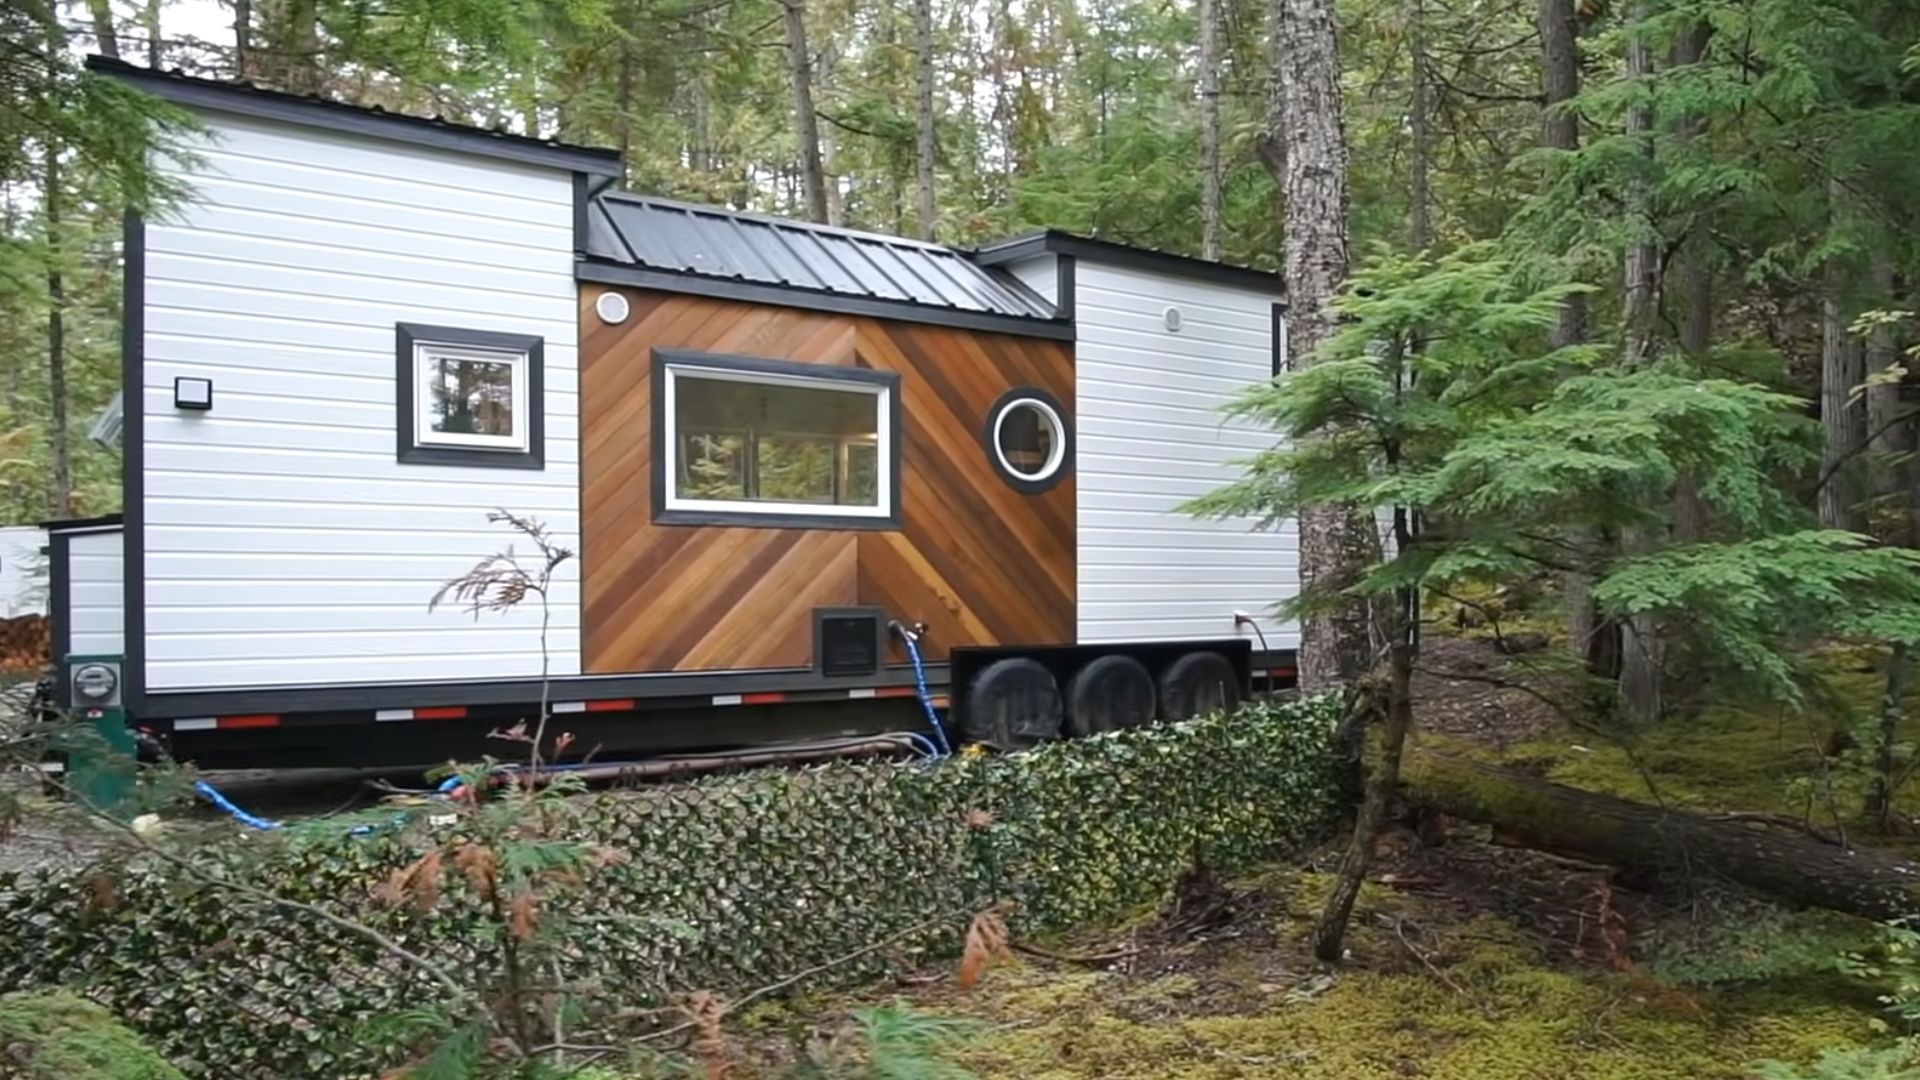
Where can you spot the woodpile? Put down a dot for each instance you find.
(26, 646)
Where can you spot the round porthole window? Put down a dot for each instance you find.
(1028, 439)
(612, 307)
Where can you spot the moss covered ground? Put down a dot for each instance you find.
(1430, 990)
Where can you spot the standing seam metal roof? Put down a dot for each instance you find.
(677, 237)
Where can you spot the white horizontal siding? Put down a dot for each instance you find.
(96, 599)
(1041, 274)
(1150, 438)
(284, 544)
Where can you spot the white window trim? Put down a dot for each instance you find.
(670, 445)
(424, 353)
(1055, 457)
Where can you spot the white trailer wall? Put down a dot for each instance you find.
(1151, 438)
(284, 544)
(96, 611)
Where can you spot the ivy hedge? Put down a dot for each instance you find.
(730, 883)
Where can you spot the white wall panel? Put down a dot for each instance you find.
(1151, 437)
(96, 614)
(284, 544)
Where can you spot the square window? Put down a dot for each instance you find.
(469, 397)
(750, 441)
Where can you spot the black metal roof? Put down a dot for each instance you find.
(247, 99)
(650, 241)
(1060, 242)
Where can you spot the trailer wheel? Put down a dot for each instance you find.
(1011, 705)
(1110, 693)
(1197, 684)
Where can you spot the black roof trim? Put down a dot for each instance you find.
(84, 524)
(1058, 242)
(839, 303)
(245, 99)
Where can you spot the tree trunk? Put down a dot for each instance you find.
(923, 147)
(1272, 143)
(1641, 650)
(243, 39)
(1695, 275)
(62, 495)
(806, 124)
(1587, 638)
(1842, 368)
(1335, 541)
(1540, 814)
(1420, 127)
(1892, 710)
(823, 77)
(1210, 129)
(154, 40)
(301, 63)
(105, 36)
(1885, 428)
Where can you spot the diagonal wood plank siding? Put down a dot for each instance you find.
(977, 561)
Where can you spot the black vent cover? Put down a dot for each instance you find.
(846, 641)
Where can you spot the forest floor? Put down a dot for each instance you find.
(1468, 960)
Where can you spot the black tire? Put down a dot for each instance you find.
(1011, 705)
(1197, 684)
(1110, 693)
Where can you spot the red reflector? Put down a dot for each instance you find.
(258, 720)
(1282, 672)
(443, 712)
(615, 705)
(939, 702)
(896, 691)
(771, 697)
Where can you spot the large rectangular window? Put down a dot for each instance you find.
(750, 441)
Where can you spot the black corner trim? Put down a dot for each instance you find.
(133, 462)
(662, 358)
(317, 112)
(1127, 255)
(1066, 284)
(1015, 480)
(406, 335)
(60, 602)
(1277, 339)
(753, 292)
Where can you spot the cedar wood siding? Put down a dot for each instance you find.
(977, 561)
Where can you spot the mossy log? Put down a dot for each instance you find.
(1621, 832)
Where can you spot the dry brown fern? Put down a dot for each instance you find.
(987, 941)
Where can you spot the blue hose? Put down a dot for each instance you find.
(212, 795)
(926, 698)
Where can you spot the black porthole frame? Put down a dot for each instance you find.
(408, 451)
(988, 443)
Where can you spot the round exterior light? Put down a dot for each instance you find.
(1028, 439)
(612, 308)
(95, 682)
(1173, 319)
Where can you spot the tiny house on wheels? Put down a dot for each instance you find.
(780, 450)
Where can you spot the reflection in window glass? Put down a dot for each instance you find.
(775, 442)
(469, 398)
(1028, 436)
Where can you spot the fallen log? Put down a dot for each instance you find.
(1621, 832)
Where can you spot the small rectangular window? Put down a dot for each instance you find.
(773, 442)
(469, 397)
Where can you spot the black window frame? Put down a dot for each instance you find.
(1068, 446)
(773, 519)
(409, 451)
